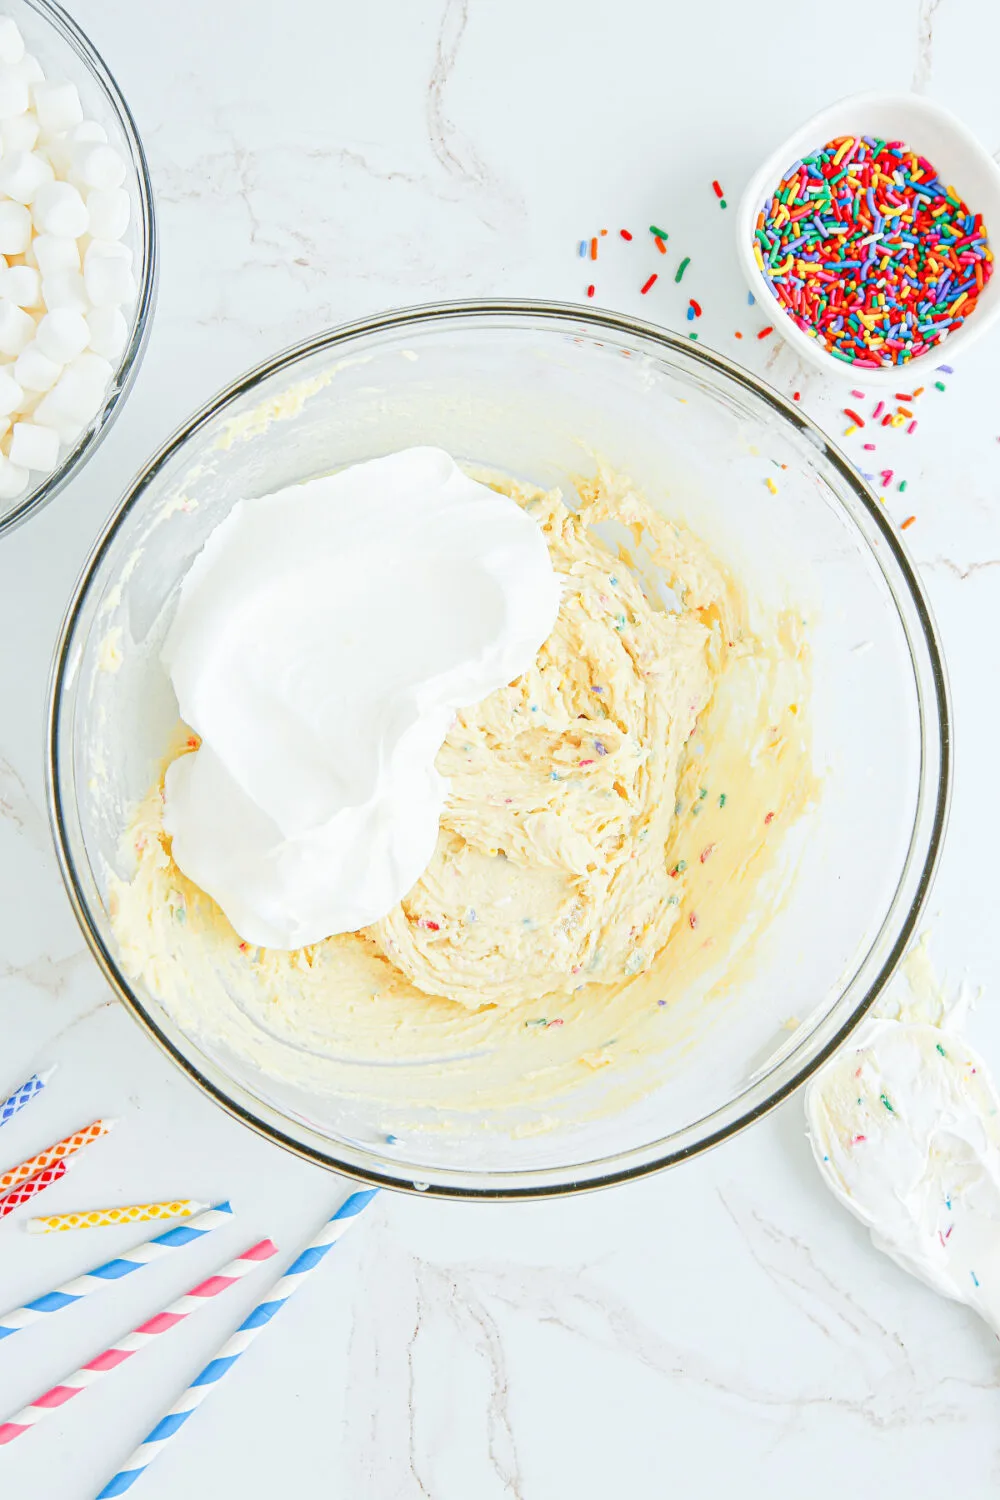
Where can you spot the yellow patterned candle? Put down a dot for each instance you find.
(135, 1213)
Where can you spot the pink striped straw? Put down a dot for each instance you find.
(37, 1184)
(111, 1358)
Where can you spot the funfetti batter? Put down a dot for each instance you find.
(610, 820)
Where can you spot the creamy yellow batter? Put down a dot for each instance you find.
(611, 819)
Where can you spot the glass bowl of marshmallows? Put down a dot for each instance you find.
(77, 253)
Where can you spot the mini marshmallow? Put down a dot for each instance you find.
(23, 174)
(108, 332)
(21, 284)
(57, 106)
(34, 371)
(109, 210)
(17, 327)
(30, 69)
(34, 447)
(15, 228)
(62, 335)
(79, 392)
(11, 394)
(58, 209)
(13, 91)
(11, 41)
(13, 479)
(107, 273)
(19, 133)
(97, 165)
(90, 130)
(55, 253)
(65, 289)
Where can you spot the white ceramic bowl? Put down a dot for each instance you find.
(932, 132)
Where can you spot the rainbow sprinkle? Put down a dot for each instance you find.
(870, 253)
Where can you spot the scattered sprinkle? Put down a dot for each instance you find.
(661, 245)
(771, 485)
(682, 267)
(908, 522)
(737, 334)
(868, 447)
(626, 234)
(658, 234)
(692, 919)
(946, 369)
(583, 248)
(717, 190)
(696, 306)
(796, 395)
(939, 385)
(707, 852)
(975, 1278)
(593, 248)
(590, 290)
(888, 1106)
(902, 486)
(878, 410)
(600, 747)
(722, 799)
(644, 289)
(941, 1049)
(912, 427)
(765, 331)
(769, 819)
(858, 421)
(859, 395)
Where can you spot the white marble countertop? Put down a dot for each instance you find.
(718, 1328)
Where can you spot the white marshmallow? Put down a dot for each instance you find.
(23, 174)
(109, 210)
(34, 447)
(58, 209)
(17, 327)
(62, 335)
(58, 149)
(108, 332)
(13, 92)
(19, 133)
(107, 273)
(11, 41)
(90, 130)
(78, 394)
(55, 253)
(65, 289)
(97, 165)
(13, 480)
(15, 228)
(21, 284)
(34, 370)
(57, 106)
(11, 393)
(30, 69)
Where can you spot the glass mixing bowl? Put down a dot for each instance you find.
(535, 389)
(66, 53)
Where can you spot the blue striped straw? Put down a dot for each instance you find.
(304, 1264)
(24, 1095)
(114, 1270)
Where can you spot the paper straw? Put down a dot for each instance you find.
(51, 1154)
(97, 1218)
(297, 1272)
(33, 1185)
(24, 1095)
(113, 1270)
(111, 1358)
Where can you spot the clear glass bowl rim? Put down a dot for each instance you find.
(131, 359)
(935, 718)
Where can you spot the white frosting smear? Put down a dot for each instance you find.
(323, 640)
(905, 1128)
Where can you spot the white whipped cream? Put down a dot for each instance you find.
(905, 1127)
(323, 640)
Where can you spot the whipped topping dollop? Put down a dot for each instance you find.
(905, 1127)
(323, 640)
